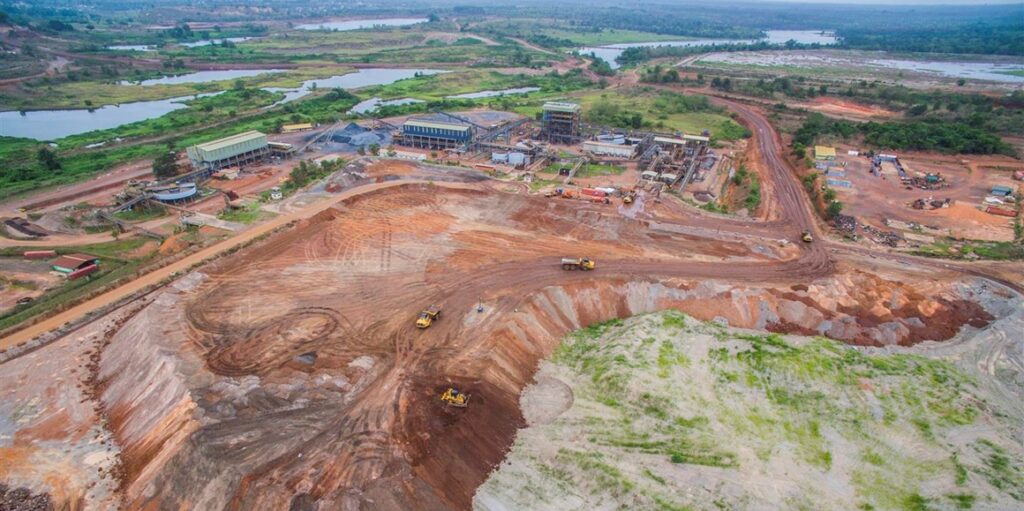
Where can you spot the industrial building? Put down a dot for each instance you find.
(236, 150)
(560, 122)
(433, 134)
(71, 263)
(606, 149)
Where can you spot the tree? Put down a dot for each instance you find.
(166, 165)
(48, 159)
(375, 149)
(830, 195)
(433, 18)
(833, 210)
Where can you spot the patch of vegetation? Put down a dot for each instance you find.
(924, 135)
(248, 214)
(991, 250)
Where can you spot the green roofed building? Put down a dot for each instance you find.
(236, 150)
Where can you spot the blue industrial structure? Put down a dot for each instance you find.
(435, 134)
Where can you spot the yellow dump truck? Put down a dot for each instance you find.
(427, 317)
(580, 263)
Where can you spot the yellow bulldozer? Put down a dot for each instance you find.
(427, 317)
(579, 263)
(452, 397)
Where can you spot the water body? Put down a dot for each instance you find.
(56, 124)
(204, 77)
(990, 71)
(359, 79)
(493, 93)
(612, 51)
(853, 61)
(372, 104)
(131, 47)
(207, 42)
(359, 24)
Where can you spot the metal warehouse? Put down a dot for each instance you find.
(435, 134)
(235, 150)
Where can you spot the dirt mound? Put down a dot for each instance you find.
(173, 244)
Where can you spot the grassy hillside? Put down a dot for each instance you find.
(666, 412)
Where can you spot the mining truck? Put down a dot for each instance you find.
(580, 263)
(427, 317)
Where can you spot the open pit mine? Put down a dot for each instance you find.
(291, 373)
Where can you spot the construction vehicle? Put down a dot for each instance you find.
(581, 263)
(628, 198)
(427, 317)
(452, 397)
(806, 236)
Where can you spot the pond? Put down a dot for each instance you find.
(612, 51)
(204, 77)
(493, 93)
(56, 124)
(207, 42)
(130, 47)
(372, 104)
(356, 80)
(995, 69)
(342, 25)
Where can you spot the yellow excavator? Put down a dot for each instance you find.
(579, 263)
(806, 236)
(427, 317)
(452, 397)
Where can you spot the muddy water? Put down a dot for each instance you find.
(612, 51)
(994, 70)
(341, 26)
(356, 80)
(372, 104)
(493, 93)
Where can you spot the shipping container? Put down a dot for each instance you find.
(593, 192)
(77, 274)
(40, 254)
(993, 210)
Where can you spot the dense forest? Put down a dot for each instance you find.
(925, 135)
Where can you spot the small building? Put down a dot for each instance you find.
(699, 139)
(822, 152)
(1001, 191)
(668, 178)
(236, 150)
(71, 263)
(603, 149)
(649, 175)
(294, 128)
(432, 134)
(886, 157)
